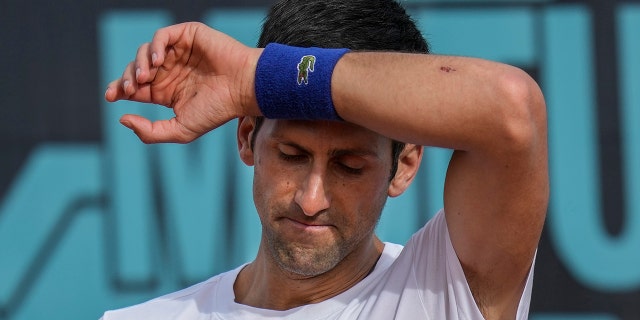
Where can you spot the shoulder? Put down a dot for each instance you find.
(187, 303)
(432, 238)
(426, 278)
(436, 269)
(426, 253)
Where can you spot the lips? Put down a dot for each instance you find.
(307, 226)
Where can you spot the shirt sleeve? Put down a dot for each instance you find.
(439, 274)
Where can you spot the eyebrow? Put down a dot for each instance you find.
(336, 152)
(357, 152)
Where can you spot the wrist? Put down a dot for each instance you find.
(295, 83)
(248, 101)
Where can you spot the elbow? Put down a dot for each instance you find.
(524, 120)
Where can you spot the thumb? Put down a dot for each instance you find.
(158, 131)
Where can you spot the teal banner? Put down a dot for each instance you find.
(91, 219)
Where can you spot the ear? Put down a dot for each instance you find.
(408, 164)
(246, 127)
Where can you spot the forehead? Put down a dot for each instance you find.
(326, 134)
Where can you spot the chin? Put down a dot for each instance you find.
(307, 261)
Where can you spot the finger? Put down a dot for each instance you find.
(168, 37)
(144, 71)
(159, 45)
(114, 91)
(129, 82)
(120, 88)
(124, 87)
(159, 131)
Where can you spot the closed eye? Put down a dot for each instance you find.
(352, 171)
(349, 170)
(295, 158)
(291, 153)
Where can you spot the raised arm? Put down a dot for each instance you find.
(493, 116)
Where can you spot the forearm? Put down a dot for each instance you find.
(454, 102)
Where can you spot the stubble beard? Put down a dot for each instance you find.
(305, 261)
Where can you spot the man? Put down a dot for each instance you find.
(332, 147)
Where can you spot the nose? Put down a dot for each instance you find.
(312, 196)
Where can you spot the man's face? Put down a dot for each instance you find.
(319, 189)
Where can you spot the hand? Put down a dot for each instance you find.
(206, 76)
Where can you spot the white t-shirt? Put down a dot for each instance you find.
(423, 280)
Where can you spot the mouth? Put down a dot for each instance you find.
(307, 226)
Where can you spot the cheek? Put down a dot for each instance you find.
(272, 188)
(365, 199)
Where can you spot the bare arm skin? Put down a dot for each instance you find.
(491, 114)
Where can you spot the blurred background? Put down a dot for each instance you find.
(91, 219)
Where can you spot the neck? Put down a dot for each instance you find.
(263, 284)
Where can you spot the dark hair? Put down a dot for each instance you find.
(362, 25)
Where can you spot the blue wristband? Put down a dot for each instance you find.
(295, 83)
